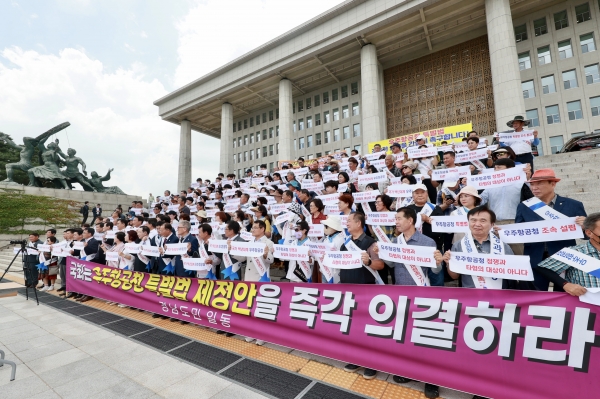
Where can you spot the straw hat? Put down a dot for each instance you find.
(544, 174)
(469, 190)
(201, 214)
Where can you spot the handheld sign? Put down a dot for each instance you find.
(411, 254)
(291, 252)
(342, 259)
(251, 249)
(176, 249)
(195, 264)
(218, 246)
(512, 267)
(381, 218)
(542, 231)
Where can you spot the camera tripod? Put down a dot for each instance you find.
(22, 251)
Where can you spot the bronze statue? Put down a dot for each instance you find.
(27, 150)
(96, 181)
(72, 172)
(50, 170)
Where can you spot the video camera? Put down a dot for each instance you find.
(18, 242)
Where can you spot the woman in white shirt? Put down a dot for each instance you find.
(334, 239)
(301, 238)
(467, 199)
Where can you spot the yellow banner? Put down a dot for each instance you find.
(450, 134)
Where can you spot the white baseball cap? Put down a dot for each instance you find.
(420, 186)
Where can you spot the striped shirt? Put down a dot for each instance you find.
(573, 275)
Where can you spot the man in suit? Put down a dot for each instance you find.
(85, 211)
(167, 236)
(62, 263)
(183, 231)
(96, 213)
(89, 251)
(76, 253)
(232, 233)
(32, 260)
(543, 184)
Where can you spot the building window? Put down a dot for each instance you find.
(271, 167)
(251, 122)
(355, 109)
(239, 157)
(564, 49)
(234, 140)
(294, 125)
(334, 95)
(309, 142)
(258, 153)
(524, 61)
(336, 114)
(357, 148)
(548, 85)
(300, 106)
(293, 107)
(234, 127)
(533, 116)
(257, 137)
(317, 100)
(346, 132)
(251, 138)
(582, 13)
(270, 132)
(251, 155)
(264, 151)
(277, 131)
(277, 113)
(569, 79)
(310, 156)
(295, 148)
(309, 122)
(356, 130)
(300, 124)
(308, 103)
(271, 149)
(336, 134)
(326, 117)
(354, 88)
(239, 141)
(327, 138)
(318, 139)
(345, 91)
(539, 26)
(264, 134)
(245, 156)
(264, 117)
(301, 143)
(528, 89)
(544, 56)
(317, 119)
(277, 149)
(240, 125)
(245, 123)
(552, 114)
(345, 111)
(574, 109)
(327, 152)
(578, 134)
(521, 33)
(561, 20)
(246, 140)
(326, 97)
(556, 143)
(270, 116)
(595, 103)
(318, 155)
(587, 43)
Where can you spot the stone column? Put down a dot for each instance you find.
(383, 115)
(371, 101)
(226, 164)
(285, 120)
(184, 177)
(506, 77)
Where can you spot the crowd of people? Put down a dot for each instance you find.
(343, 195)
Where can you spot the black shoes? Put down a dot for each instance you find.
(400, 380)
(431, 391)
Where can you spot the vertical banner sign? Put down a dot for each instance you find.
(503, 344)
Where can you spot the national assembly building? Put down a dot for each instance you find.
(372, 70)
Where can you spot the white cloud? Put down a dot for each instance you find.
(143, 35)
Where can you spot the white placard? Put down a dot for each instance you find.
(511, 267)
(331, 209)
(149, 250)
(195, 264)
(381, 218)
(525, 135)
(229, 208)
(400, 190)
(499, 178)
(468, 156)
(316, 230)
(276, 209)
(319, 186)
(246, 235)
(379, 163)
(374, 156)
(132, 248)
(342, 187)
(285, 217)
(366, 196)
(415, 152)
(442, 174)
(218, 246)
(112, 256)
(372, 178)
(342, 259)
(110, 234)
(330, 177)
(450, 224)
(291, 252)
(543, 231)
(249, 249)
(43, 248)
(410, 254)
(79, 245)
(329, 199)
(176, 249)
(300, 171)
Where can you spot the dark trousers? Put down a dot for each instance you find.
(525, 158)
(62, 271)
(84, 219)
(383, 273)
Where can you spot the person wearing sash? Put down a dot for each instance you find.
(468, 198)
(412, 275)
(358, 240)
(167, 236)
(62, 262)
(31, 261)
(448, 160)
(300, 238)
(383, 203)
(77, 236)
(184, 236)
(89, 252)
(473, 144)
(353, 173)
(425, 210)
(546, 205)
(141, 261)
(334, 239)
(480, 239)
(522, 148)
(577, 280)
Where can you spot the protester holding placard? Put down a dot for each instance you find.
(300, 271)
(184, 236)
(448, 160)
(580, 264)
(333, 240)
(468, 198)
(316, 209)
(546, 205)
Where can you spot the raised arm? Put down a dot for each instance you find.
(107, 177)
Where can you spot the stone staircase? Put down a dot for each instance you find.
(580, 174)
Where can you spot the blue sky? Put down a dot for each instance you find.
(100, 65)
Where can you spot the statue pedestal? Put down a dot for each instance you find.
(108, 202)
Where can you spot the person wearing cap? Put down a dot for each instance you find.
(425, 211)
(468, 198)
(421, 140)
(409, 235)
(397, 152)
(522, 148)
(504, 200)
(576, 281)
(333, 239)
(543, 185)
